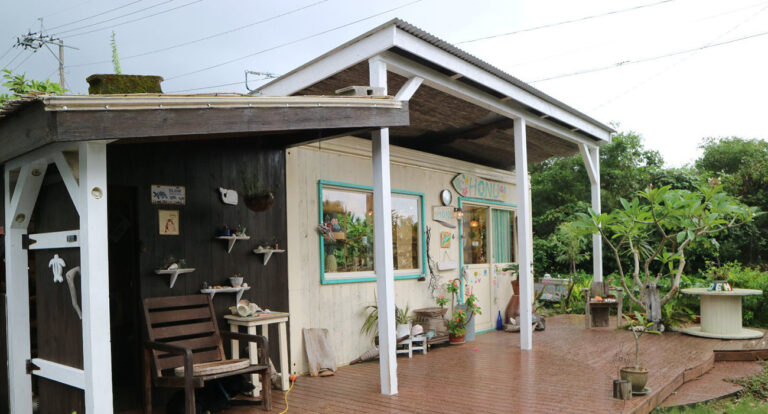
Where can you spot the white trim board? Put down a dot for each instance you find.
(64, 374)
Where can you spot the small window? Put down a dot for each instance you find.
(347, 211)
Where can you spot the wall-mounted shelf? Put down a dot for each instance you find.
(231, 240)
(267, 253)
(174, 273)
(237, 290)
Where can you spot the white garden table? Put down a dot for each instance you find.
(721, 314)
(262, 321)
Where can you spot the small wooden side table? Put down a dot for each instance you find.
(262, 321)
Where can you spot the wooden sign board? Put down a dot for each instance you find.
(476, 187)
(444, 216)
(169, 194)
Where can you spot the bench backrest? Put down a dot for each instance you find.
(187, 321)
(600, 289)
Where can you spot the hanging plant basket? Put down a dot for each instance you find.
(260, 202)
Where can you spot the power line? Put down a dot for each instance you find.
(23, 61)
(136, 20)
(208, 87)
(66, 9)
(6, 52)
(114, 18)
(678, 62)
(648, 59)
(204, 38)
(95, 15)
(291, 42)
(14, 58)
(580, 19)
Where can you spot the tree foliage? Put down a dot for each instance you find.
(19, 85)
(655, 229)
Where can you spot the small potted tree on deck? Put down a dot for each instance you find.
(637, 374)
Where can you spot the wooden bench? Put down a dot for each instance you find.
(597, 313)
(184, 335)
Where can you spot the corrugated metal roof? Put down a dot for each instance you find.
(442, 44)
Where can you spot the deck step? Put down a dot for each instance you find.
(712, 385)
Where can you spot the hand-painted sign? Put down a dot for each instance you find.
(476, 187)
(444, 216)
(168, 194)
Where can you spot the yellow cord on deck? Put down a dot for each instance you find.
(293, 381)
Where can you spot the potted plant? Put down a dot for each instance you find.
(462, 314)
(637, 374)
(257, 198)
(402, 322)
(371, 322)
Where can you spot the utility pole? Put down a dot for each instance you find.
(36, 40)
(61, 64)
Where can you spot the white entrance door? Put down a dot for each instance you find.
(487, 248)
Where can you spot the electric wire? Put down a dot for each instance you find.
(23, 61)
(648, 59)
(580, 19)
(163, 49)
(12, 60)
(66, 9)
(289, 43)
(112, 18)
(134, 20)
(6, 52)
(679, 61)
(94, 15)
(207, 87)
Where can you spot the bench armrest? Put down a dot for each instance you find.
(178, 350)
(260, 340)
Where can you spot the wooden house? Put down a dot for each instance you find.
(122, 185)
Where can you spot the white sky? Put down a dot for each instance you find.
(672, 102)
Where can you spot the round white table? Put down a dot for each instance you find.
(721, 314)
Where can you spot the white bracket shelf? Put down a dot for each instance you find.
(231, 240)
(239, 291)
(174, 273)
(267, 253)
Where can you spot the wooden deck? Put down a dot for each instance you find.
(570, 370)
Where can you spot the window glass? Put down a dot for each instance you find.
(475, 234)
(348, 213)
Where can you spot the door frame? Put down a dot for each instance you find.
(483, 203)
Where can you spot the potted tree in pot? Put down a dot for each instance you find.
(637, 374)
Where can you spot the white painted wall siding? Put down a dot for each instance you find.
(339, 307)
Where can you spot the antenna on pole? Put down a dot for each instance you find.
(37, 40)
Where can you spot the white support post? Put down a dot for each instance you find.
(591, 157)
(94, 272)
(18, 210)
(382, 230)
(524, 235)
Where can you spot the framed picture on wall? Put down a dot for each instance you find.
(445, 239)
(168, 221)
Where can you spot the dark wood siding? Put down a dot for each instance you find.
(202, 167)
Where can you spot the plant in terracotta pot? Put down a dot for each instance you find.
(637, 374)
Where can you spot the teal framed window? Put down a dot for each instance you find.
(347, 211)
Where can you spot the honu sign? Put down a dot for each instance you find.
(476, 187)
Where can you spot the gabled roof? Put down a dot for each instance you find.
(381, 40)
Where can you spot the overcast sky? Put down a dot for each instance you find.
(673, 102)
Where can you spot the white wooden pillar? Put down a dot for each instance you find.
(19, 203)
(382, 230)
(524, 235)
(591, 158)
(94, 265)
